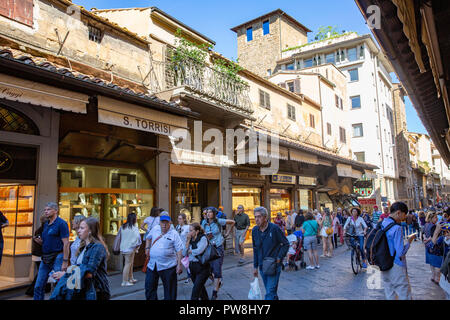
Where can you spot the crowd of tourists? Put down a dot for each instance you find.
(198, 248)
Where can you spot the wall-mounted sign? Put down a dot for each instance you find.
(283, 178)
(17, 162)
(6, 161)
(307, 181)
(366, 202)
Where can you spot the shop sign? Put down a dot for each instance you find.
(283, 178)
(122, 114)
(26, 91)
(366, 202)
(307, 181)
(6, 161)
(248, 175)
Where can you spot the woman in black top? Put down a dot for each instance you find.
(3, 223)
(196, 244)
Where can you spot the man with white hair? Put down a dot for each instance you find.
(270, 246)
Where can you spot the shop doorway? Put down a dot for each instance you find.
(280, 201)
(250, 198)
(190, 196)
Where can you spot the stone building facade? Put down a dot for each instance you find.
(259, 52)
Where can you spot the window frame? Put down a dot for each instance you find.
(350, 75)
(351, 102)
(265, 101)
(329, 129)
(355, 126)
(342, 135)
(360, 153)
(312, 121)
(291, 112)
(266, 27)
(249, 35)
(356, 54)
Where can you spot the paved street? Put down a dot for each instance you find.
(334, 280)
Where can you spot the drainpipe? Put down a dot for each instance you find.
(321, 111)
(375, 73)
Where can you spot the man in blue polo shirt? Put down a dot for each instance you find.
(55, 248)
(396, 280)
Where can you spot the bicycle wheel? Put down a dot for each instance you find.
(355, 262)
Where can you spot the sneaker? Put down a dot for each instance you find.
(317, 267)
(127, 284)
(133, 281)
(309, 268)
(323, 256)
(241, 260)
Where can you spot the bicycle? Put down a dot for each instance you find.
(356, 259)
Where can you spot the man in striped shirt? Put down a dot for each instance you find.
(376, 215)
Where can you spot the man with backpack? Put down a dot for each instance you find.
(385, 249)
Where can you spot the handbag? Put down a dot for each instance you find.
(269, 266)
(116, 245)
(210, 254)
(49, 258)
(329, 231)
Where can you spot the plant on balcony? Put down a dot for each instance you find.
(424, 167)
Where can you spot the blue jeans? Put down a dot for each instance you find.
(42, 277)
(271, 284)
(361, 245)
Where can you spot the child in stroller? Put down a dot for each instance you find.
(295, 252)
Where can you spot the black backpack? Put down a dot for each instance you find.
(377, 248)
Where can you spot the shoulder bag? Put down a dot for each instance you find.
(210, 254)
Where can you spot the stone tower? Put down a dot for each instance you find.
(261, 40)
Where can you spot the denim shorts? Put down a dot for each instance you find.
(310, 243)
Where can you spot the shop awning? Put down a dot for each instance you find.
(26, 91)
(265, 151)
(302, 157)
(127, 115)
(347, 171)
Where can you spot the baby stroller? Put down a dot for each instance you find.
(293, 258)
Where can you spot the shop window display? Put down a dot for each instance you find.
(280, 201)
(17, 204)
(250, 198)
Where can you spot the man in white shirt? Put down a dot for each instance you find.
(164, 247)
(290, 221)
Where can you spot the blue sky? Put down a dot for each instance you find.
(214, 18)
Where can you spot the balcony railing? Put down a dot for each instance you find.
(221, 88)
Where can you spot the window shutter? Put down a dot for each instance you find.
(337, 100)
(6, 8)
(23, 11)
(297, 85)
(261, 99)
(340, 102)
(267, 101)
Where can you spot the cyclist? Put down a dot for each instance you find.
(360, 228)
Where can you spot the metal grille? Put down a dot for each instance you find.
(14, 122)
(95, 34)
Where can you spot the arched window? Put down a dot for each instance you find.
(14, 121)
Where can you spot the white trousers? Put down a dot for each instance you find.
(396, 283)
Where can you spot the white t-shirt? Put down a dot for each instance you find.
(359, 224)
(151, 222)
(163, 252)
(183, 232)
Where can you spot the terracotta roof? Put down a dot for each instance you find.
(8, 54)
(278, 11)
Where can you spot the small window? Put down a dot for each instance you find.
(329, 58)
(361, 52)
(312, 122)
(336, 98)
(269, 72)
(291, 112)
(95, 34)
(249, 34)
(264, 99)
(266, 27)
(308, 63)
(360, 156)
(342, 136)
(290, 66)
(352, 54)
(353, 74)
(357, 130)
(355, 102)
(291, 87)
(329, 128)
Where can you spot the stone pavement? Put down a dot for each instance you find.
(333, 281)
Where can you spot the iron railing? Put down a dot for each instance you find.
(203, 80)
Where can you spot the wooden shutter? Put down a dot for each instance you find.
(23, 11)
(7, 8)
(267, 100)
(261, 98)
(297, 85)
(337, 100)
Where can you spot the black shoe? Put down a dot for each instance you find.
(214, 295)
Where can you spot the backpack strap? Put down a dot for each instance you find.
(389, 226)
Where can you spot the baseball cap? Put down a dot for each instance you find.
(375, 207)
(446, 226)
(164, 217)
